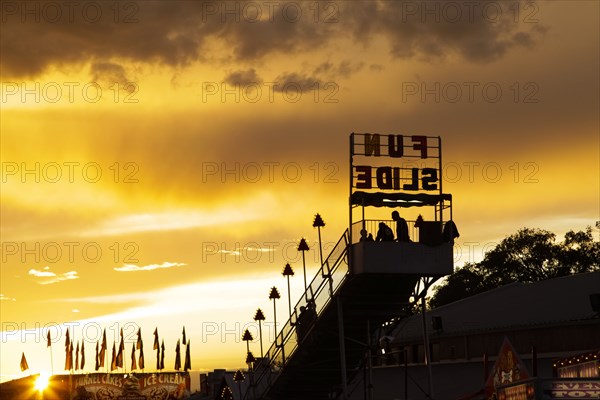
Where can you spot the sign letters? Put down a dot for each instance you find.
(403, 177)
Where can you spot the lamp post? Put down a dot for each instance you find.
(318, 223)
(287, 272)
(259, 316)
(247, 337)
(304, 247)
(274, 295)
(250, 361)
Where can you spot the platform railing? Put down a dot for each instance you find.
(372, 226)
(319, 293)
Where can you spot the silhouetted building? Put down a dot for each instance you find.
(551, 321)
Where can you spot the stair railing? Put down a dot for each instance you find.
(318, 295)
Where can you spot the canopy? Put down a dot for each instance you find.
(380, 199)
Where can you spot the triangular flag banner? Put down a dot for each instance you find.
(82, 354)
(156, 344)
(71, 355)
(122, 341)
(188, 362)
(49, 341)
(119, 359)
(177, 357)
(67, 364)
(158, 360)
(103, 349)
(133, 362)
(141, 362)
(162, 356)
(77, 357)
(139, 339)
(67, 348)
(24, 366)
(113, 363)
(104, 340)
(184, 341)
(121, 352)
(97, 366)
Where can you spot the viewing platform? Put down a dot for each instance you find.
(359, 287)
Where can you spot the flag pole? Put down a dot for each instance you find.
(123, 352)
(51, 362)
(49, 344)
(124, 358)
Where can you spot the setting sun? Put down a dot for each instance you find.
(42, 382)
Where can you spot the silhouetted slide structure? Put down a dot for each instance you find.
(308, 364)
(363, 284)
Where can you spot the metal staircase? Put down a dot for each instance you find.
(316, 353)
(281, 362)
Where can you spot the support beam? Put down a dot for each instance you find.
(369, 362)
(426, 345)
(340, 312)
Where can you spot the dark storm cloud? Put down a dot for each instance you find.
(34, 39)
(296, 81)
(172, 33)
(479, 31)
(38, 35)
(243, 77)
(344, 69)
(108, 72)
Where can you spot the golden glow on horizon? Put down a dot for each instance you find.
(42, 382)
(181, 245)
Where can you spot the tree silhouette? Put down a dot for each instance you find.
(530, 255)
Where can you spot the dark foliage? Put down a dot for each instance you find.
(530, 255)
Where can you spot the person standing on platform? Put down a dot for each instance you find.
(401, 227)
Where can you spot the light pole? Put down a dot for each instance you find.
(287, 272)
(247, 337)
(318, 223)
(259, 316)
(250, 361)
(274, 295)
(304, 247)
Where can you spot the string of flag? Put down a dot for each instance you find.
(75, 359)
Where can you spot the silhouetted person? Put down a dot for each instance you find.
(384, 234)
(300, 324)
(364, 237)
(307, 317)
(401, 227)
(450, 232)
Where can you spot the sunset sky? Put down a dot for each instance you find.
(161, 160)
